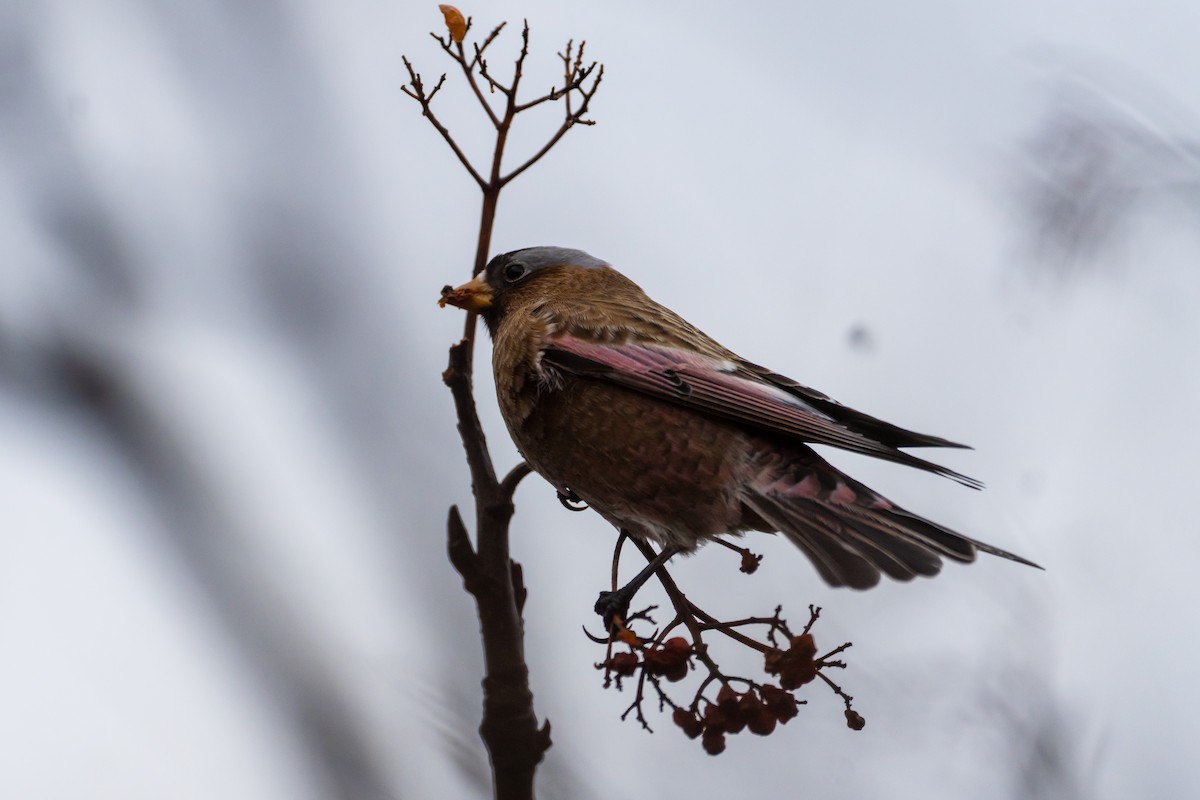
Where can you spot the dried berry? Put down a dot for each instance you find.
(689, 722)
(623, 664)
(797, 673)
(795, 666)
(783, 705)
(713, 742)
(714, 719)
(731, 710)
(677, 645)
(854, 720)
(657, 662)
(759, 718)
(804, 646)
(670, 659)
(676, 672)
(750, 562)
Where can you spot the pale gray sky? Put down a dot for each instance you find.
(228, 452)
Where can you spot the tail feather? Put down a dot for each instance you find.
(846, 551)
(965, 543)
(903, 559)
(918, 530)
(851, 533)
(837, 564)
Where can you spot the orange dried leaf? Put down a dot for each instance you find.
(455, 22)
(628, 637)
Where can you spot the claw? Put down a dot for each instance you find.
(571, 501)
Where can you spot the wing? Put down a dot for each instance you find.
(726, 389)
(877, 429)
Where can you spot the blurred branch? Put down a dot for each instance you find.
(82, 365)
(323, 718)
(1092, 164)
(510, 730)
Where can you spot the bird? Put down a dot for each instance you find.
(623, 404)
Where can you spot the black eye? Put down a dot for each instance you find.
(515, 271)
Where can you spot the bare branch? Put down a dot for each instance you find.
(509, 728)
(462, 554)
(458, 54)
(516, 574)
(520, 64)
(469, 72)
(573, 118)
(436, 88)
(508, 486)
(418, 93)
(727, 628)
(481, 47)
(572, 84)
(493, 84)
(458, 377)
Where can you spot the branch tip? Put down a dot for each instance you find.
(458, 547)
(508, 486)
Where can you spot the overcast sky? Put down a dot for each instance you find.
(227, 452)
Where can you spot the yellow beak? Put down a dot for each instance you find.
(474, 295)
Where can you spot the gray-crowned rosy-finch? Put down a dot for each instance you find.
(673, 438)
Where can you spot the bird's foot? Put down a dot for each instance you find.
(612, 606)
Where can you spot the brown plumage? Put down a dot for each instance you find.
(674, 438)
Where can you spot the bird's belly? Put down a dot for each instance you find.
(655, 469)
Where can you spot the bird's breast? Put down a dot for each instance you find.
(654, 468)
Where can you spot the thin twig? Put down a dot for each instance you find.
(508, 486)
(573, 119)
(482, 46)
(418, 94)
(711, 623)
(683, 608)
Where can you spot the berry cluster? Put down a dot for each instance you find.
(670, 660)
(757, 710)
(757, 707)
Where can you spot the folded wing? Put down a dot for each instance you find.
(742, 394)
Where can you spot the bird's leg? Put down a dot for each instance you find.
(616, 604)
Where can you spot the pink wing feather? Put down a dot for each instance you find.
(724, 389)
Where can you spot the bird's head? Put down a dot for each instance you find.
(516, 276)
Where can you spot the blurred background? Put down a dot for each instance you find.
(227, 453)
